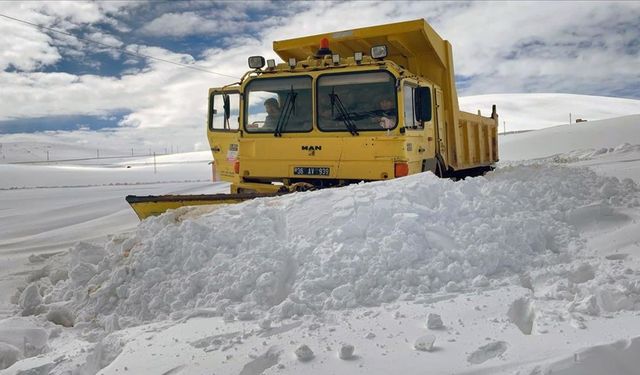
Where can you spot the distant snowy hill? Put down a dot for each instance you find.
(48, 148)
(560, 139)
(537, 111)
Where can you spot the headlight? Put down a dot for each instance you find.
(256, 62)
(379, 52)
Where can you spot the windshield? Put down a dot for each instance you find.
(358, 101)
(279, 105)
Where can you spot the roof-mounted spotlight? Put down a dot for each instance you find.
(379, 52)
(256, 62)
(335, 58)
(357, 57)
(292, 62)
(271, 63)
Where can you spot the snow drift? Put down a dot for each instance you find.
(362, 245)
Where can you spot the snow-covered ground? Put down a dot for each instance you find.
(531, 269)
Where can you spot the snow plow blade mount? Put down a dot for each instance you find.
(153, 205)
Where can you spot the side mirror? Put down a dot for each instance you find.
(423, 104)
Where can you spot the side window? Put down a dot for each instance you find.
(221, 103)
(409, 108)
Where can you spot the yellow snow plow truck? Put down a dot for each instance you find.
(366, 104)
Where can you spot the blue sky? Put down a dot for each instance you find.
(60, 82)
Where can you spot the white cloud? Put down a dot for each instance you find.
(25, 50)
(28, 48)
(180, 24)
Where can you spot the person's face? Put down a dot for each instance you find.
(386, 104)
(271, 109)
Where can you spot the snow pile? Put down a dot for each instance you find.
(340, 248)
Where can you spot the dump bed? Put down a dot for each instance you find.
(471, 140)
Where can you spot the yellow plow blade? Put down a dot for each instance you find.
(153, 205)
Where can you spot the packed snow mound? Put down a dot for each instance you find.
(361, 245)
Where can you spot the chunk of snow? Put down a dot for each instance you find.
(425, 343)
(346, 351)
(522, 314)
(30, 300)
(265, 323)
(434, 321)
(304, 353)
(61, 315)
(82, 273)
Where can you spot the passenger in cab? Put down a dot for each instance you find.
(388, 114)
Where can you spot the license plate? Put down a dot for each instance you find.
(311, 171)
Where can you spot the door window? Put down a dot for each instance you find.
(224, 111)
(409, 94)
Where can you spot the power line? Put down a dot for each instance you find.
(193, 67)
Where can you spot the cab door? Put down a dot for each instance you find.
(223, 131)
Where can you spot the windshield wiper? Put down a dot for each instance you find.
(287, 109)
(345, 116)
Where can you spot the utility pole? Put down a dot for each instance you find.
(131, 151)
(569, 118)
(155, 170)
(47, 155)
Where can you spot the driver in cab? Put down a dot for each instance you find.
(272, 107)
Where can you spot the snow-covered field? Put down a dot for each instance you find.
(531, 269)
